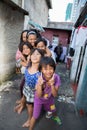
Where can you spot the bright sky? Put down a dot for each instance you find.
(57, 14)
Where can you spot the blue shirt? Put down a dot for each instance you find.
(31, 79)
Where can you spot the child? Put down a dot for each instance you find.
(41, 43)
(46, 89)
(19, 55)
(31, 76)
(32, 36)
(25, 49)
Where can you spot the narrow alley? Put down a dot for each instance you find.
(71, 120)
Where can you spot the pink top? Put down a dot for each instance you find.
(18, 55)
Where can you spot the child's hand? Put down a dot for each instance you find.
(51, 81)
(28, 58)
(23, 58)
(40, 80)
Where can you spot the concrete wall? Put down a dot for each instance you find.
(11, 25)
(38, 11)
(18, 2)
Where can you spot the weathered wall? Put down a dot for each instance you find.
(63, 35)
(38, 11)
(11, 25)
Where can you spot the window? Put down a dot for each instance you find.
(55, 40)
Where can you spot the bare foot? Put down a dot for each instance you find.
(26, 124)
(18, 101)
(19, 108)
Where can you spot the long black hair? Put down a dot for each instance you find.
(41, 40)
(21, 37)
(21, 47)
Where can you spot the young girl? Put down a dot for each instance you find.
(19, 55)
(32, 36)
(25, 49)
(46, 89)
(31, 76)
(41, 43)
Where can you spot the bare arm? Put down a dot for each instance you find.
(54, 89)
(25, 62)
(39, 86)
(48, 52)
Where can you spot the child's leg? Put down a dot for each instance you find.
(32, 123)
(30, 112)
(20, 106)
(36, 114)
(22, 85)
(50, 106)
(22, 100)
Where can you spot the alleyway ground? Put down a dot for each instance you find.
(9, 93)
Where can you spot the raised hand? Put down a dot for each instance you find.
(51, 81)
(40, 80)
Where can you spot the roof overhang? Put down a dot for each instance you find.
(62, 29)
(15, 6)
(60, 25)
(49, 3)
(81, 17)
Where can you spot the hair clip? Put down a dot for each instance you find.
(31, 32)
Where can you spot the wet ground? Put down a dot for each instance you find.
(9, 93)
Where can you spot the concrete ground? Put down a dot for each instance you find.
(9, 93)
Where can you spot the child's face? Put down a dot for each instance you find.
(35, 57)
(41, 45)
(47, 72)
(31, 39)
(26, 50)
(24, 36)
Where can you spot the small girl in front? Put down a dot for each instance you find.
(46, 89)
(31, 76)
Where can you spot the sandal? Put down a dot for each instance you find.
(57, 119)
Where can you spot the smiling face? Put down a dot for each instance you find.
(26, 50)
(32, 38)
(41, 45)
(47, 71)
(35, 57)
(24, 36)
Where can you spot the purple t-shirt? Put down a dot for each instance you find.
(47, 90)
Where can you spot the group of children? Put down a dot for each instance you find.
(40, 84)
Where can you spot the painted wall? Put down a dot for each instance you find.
(64, 35)
(11, 25)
